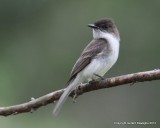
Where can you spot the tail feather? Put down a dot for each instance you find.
(63, 98)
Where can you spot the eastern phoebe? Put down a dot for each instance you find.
(96, 59)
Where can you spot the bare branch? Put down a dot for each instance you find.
(107, 83)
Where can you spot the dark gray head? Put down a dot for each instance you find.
(105, 25)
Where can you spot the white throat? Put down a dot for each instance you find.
(111, 38)
(106, 35)
(113, 42)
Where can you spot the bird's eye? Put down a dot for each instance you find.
(104, 27)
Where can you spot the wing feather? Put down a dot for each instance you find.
(92, 49)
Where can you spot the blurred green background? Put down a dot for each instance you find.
(40, 41)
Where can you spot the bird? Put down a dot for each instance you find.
(96, 58)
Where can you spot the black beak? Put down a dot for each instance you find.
(92, 26)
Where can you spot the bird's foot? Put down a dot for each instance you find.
(74, 97)
(101, 77)
(92, 81)
(75, 93)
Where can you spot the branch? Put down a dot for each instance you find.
(107, 83)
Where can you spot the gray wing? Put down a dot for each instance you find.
(91, 50)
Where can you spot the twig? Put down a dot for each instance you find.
(107, 83)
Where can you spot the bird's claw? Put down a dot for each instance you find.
(101, 77)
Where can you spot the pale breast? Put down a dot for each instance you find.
(103, 61)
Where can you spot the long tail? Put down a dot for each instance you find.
(63, 98)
